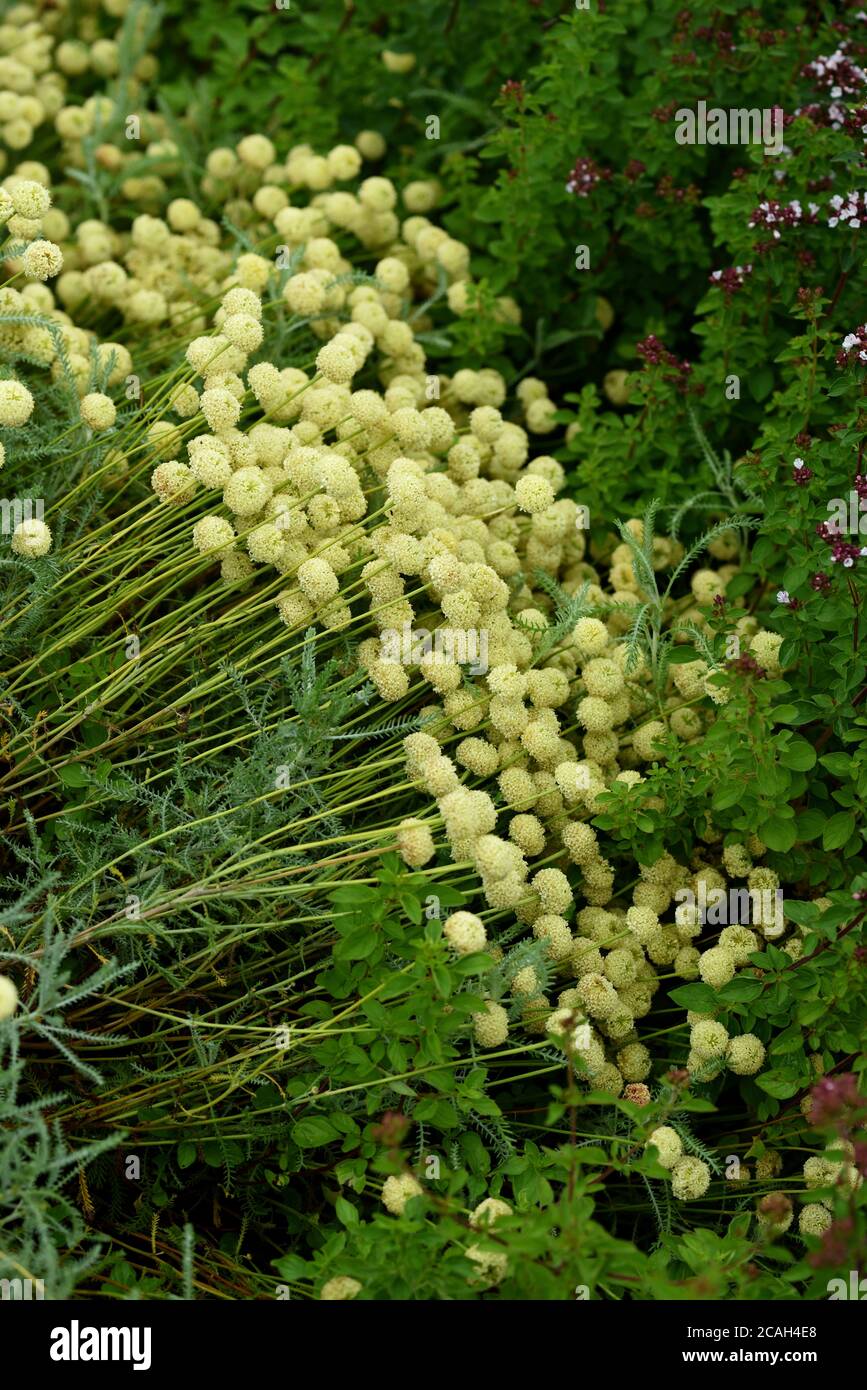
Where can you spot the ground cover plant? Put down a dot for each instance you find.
(432, 696)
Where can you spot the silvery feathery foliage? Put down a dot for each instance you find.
(647, 638)
(42, 1234)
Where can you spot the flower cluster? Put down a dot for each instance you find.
(837, 74)
(772, 215)
(585, 176)
(654, 353)
(730, 280)
(848, 211)
(853, 348)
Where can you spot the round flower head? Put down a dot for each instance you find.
(493, 1265)
(603, 678)
(221, 163)
(339, 1289)
(690, 1179)
(247, 491)
(344, 162)
(243, 331)
(590, 637)
(209, 461)
(397, 62)
(620, 967)
(340, 359)
(220, 408)
(553, 889)
(769, 1165)
(182, 215)
(173, 482)
(765, 647)
(775, 1214)
(98, 411)
(598, 996)
(540, 416)
(533, 494)
(398, 1190)
(491, 1027)
(740, 941)
(41, 260)
(318, 581)
(465, 933)
(746, 1054)
(616, 386)
(16, 403)
(238, 300)
(31, 539)
(256, 151)
(709, 1039)
(595, 715)
(415, 843)
(716, 966)
(488, 1212)
(184, 400)
(28, 198)
(668, 1144)
(634, 1062)
(637, 1093)
(370, 144)
(213, 533)
(554, 930)
(814, 1219)
(8, 998)
(205, 354)
(645, 739)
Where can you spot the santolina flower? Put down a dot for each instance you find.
(16, 403)
(397, 1191)
(42, 260)
(98, 411)
(31, 539)
(8, 998)
(339, 1289)
(690, 1179)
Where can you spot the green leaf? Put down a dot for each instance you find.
(761, 382)
(291, 1267)
(837, 831)
(728, 794)
(698, 997)
(780, 1087)
(810, 825)
(798, 754)
(412, 907)
(358, 945)
(442, 979)
(740, 991)
(838, 764)
(313, 1132)
(73, 775)
(475, 964)
(185, 1154)
(779, 834)
(346, 1212)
